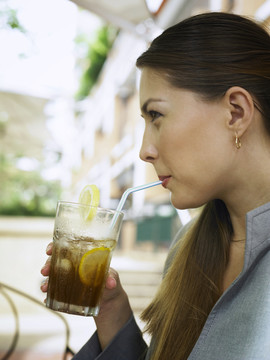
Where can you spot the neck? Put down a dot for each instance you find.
(246, 197)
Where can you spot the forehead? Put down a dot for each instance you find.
(150, 77)
(153, 83)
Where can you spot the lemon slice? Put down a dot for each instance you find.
(93, 266)
(89, 196)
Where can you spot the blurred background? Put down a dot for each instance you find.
(69, 116)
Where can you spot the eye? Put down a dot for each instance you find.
(154, 115)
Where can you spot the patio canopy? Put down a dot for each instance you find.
(128, 14)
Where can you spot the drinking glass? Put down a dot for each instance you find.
(81, 257)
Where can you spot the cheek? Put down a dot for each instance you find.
(170, 155)
(172, 143)
(194, 151)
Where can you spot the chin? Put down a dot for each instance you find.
(179, 203)
(183, 204)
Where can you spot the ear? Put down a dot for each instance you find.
(241, 107)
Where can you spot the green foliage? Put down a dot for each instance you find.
(9, 19)
(13, 21)
(96, 56)
(25, 193)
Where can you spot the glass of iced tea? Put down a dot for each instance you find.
(81, 257)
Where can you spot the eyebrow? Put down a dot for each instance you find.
(145, 105)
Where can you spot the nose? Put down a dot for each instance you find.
(148, 152)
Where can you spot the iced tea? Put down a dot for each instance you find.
(80, 263)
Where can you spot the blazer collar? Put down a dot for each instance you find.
(258, 233)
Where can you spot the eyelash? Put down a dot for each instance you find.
(154, 115)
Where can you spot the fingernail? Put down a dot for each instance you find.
(44, 285)
(49, 247)
(43, 267)
(43, 282)
(111, 283)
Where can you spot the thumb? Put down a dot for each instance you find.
(112, 279)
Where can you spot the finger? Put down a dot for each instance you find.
(45, 271)
(49, 248)
(44, 285)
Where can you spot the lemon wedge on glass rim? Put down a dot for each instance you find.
(93, 266)
(89, 196)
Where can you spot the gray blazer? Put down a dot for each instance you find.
(238, 327)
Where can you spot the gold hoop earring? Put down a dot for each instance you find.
(238, 143)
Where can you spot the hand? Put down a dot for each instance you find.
(115, 309)
(45, 271)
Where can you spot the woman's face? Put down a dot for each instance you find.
(187, 141)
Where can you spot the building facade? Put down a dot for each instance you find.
(112, 128)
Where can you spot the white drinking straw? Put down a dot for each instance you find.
(125, 195)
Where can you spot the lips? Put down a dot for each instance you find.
(165, 179)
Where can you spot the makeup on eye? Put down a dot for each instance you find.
(154, 115)
(146, 107)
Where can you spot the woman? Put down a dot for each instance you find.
(205, 98)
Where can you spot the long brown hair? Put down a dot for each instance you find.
(207, 54)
